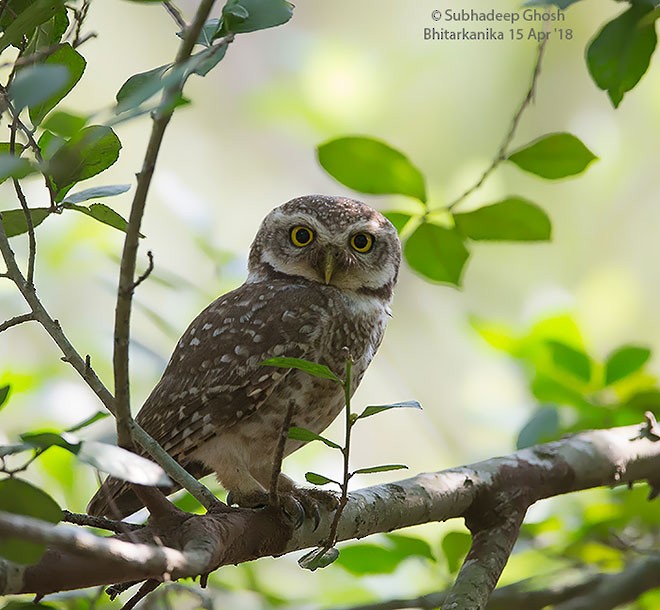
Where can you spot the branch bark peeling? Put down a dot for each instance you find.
(205, 542)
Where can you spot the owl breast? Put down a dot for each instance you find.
(344, 321)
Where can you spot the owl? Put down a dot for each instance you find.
(321, 272)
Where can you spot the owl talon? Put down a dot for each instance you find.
(293, 511)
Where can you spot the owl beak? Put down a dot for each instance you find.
(328, 266)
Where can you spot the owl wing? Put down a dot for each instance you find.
(215, 377)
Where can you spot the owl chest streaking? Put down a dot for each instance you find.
(321, 275)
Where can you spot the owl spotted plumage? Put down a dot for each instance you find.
(321, 273)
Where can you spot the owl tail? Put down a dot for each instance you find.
(115, 499)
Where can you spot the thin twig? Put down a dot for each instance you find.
(502, 152)
(175, 13)
(15, 321)
(273, 494)
(119, 527)
(148, 270)
(343, 499)
(147, 587)
(161, 118)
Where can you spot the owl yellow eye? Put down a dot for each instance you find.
(301, 236)
(362, 242)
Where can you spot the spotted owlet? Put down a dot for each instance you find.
(321, 273)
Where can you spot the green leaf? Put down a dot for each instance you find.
(89, 421)
(302, 434)
(375, 409)
(203, 62)
(571, 360)
(367, 558)
(437, 253)
(318, 558)
(242, 16)
(371, 166)
(313, 368)
(91, 151)
(512, 219)
(455, 546)
(35, 84)
(21, 498)
(620, 53)
(319, 479)
(140, 87)
(381, 468)
(64, 123)
(45, 440)
(49, 143)
(4, 394)
(14, 223)
(122, 464)
(102, 213)
(24, 24)
(398, 219)
(407, 546)
(12, 166)
(48, 33)
(541, 427)
(5, 149)
(97, 192)
(625, 361)
(553, 156)
(67, 58)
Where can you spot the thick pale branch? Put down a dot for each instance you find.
(586, 460)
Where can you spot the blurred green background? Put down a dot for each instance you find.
(247, 143)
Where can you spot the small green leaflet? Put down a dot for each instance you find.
(571, 360)
(100, 212)
(437, 253)
(4, 394)
(398, 219)
(36, 84)
(21, 498)
(620, 53)
(302, 434)
(313, 368)
(318, 558)
(73, 63)
(455, 546)
(514, 219)
(89, 421)
(541, 427)
(382, 468)
(12, 166)
(624, 362)
(243, 16)
(14, 221)
(38, 12)
(319, 479)
(375, 409)
(553, 156)
(367, 165)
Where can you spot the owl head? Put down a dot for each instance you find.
(329, 240)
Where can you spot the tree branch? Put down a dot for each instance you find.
(203, 543)
(161, 119)
(502, 152)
